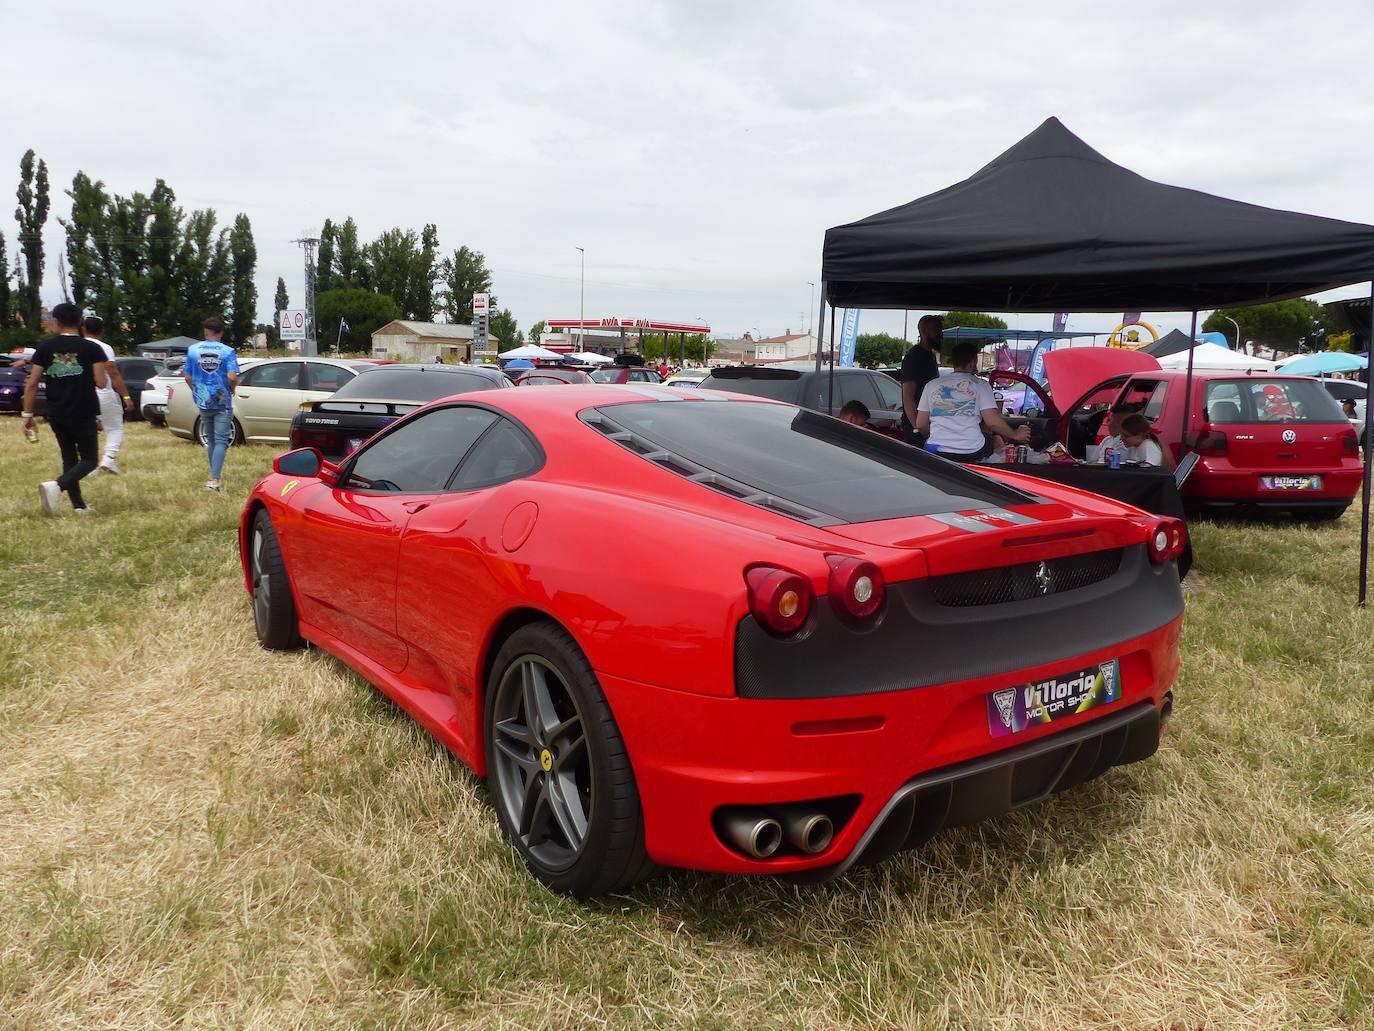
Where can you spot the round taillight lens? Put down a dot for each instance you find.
(779, 598)
(1168, 540)
(1161, 541)
(856, 588)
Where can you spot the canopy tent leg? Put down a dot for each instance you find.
(830, 390)
(1188, 389)
(820, 328)
(1367, 440)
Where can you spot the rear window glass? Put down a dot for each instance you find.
(1256, 400)
(389, 383)
(606, 376)
(774, 388)
(850, 474)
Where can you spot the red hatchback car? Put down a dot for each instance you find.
(836, 667)
(1263, 439)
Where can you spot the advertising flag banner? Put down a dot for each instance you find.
(1061, 319)
(1130, 318)
(1036, 369)
(849, 336)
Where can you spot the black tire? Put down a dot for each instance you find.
(274, 609)
(1328, 514)
(589, 840)
(235, 439)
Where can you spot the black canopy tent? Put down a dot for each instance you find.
(1173, 342)
(1052, 225)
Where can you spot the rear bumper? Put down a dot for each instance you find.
(1214, 482)
(693, 754)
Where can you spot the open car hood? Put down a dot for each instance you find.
(1074, 371)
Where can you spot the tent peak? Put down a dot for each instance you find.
(1050, 139)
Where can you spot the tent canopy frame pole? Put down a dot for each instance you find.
(820, 328)
(1188, 390)
(1367, 442)
(830, 390)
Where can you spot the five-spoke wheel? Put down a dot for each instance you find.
(560, 778)
(274, 609)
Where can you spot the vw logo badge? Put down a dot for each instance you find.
(1289, 436)
(1043, 578)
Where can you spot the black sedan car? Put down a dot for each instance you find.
(14, 370)
(377, 397)
(810, 389)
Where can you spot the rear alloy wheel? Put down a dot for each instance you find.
(559, 776)
(274, 609)
(202, 436)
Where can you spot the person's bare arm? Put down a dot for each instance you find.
(30, 392)
(910, 399)
(922, 423)
(101, 379)
(992, 419)
(117, 381)
(234, 384)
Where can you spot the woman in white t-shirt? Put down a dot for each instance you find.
(1138, 443)
(954, 409)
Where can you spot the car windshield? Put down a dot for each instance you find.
(398, 383)
(606, 375)
(850, 474)
(1258, 400)
(776, 388)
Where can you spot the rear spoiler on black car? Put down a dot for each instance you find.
(395, 409)
(754, 372)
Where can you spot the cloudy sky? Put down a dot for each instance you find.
(697, 150)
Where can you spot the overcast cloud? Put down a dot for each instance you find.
(698, 151)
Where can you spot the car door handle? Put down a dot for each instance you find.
(414, 506)
(243, 393)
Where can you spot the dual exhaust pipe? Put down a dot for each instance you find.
(759, 833)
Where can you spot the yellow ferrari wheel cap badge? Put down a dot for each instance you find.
(546, 760)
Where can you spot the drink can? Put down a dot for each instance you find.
(31, 435)
(1022, 453)
(1009, 453)
(1113, 459)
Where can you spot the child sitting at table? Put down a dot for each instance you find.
(1137, 443)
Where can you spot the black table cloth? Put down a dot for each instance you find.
(1146, 487)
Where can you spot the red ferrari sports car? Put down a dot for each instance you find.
(855, 644)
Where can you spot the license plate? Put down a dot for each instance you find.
(1291, 482)
(1014, 709)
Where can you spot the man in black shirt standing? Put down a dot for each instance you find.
(920, 366)
(72, 367)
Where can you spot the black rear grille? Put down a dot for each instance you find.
(1030, 580)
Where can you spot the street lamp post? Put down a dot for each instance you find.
(582, 304)
(1237, 325)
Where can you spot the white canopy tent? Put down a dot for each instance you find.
(1213, 356)
(532, 352)
(590, 358)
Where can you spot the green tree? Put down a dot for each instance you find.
(873, 350)
(282, 301)
(397, 260)
(462, 274)
(32, 215)
(1293, 325)
(6, 297)
(91, 257)
(204, 278)
(324, 261)
(975, 320)
(503, 327)
(243, 254)
(350, 261)
(165, 243)
(364, 310)
(536, 331)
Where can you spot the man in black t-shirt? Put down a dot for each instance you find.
(920, 366)
(72, 368)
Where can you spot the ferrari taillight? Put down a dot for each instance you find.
(779, 598)
(1168, 539)
(856, 588)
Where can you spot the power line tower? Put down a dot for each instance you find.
(310, 345)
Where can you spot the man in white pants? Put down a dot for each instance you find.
(114, 399)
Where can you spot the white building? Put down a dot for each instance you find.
(788, 347)
(405, 341)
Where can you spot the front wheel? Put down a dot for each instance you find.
(274, 609)
(559, 775)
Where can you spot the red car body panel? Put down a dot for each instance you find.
(1075, 371)
(415, 592)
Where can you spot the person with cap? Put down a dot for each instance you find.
(212, 373)
(114, 398)
(72, 369)
(920, 366)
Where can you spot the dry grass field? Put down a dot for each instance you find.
(196, 833)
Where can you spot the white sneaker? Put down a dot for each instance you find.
(49, 493)
(88, 510)
(108, 466)
(213, 485)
